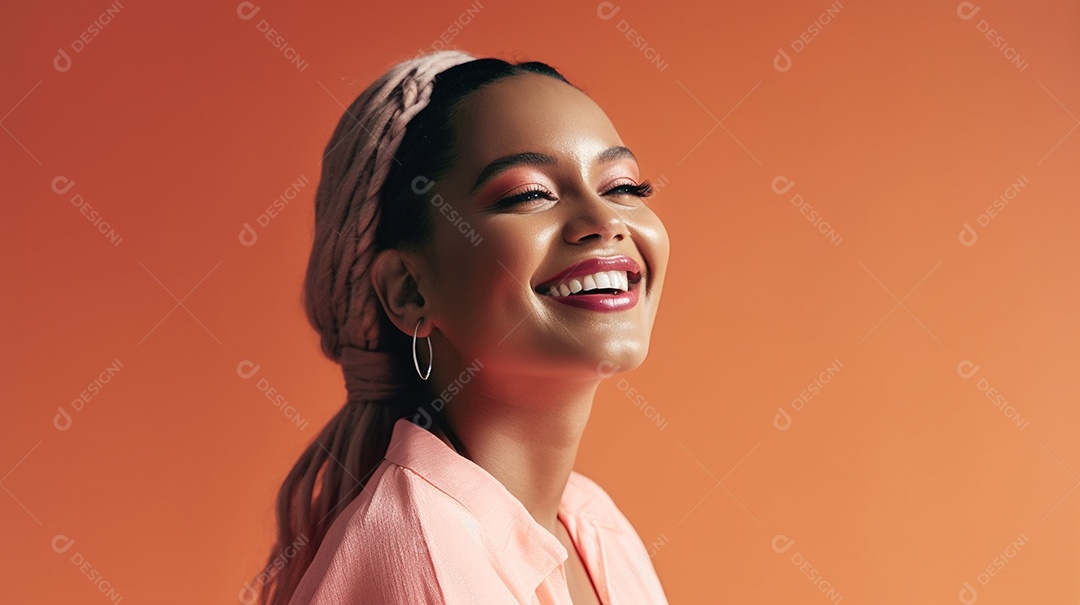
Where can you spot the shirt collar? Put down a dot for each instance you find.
(525, 552)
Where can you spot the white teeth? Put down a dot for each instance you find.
(604, 279)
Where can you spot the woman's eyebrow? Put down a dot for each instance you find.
(531, 158)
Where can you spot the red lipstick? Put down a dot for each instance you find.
(599, 301)
(589, 266)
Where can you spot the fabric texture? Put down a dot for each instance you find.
(432, 527)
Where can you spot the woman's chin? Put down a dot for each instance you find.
(622, 359)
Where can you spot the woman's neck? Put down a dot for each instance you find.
(525, 435)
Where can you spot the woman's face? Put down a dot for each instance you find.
(493, 248)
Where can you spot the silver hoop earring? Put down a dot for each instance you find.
(414, 360)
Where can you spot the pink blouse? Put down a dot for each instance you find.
(432, 527)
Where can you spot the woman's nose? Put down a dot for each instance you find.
(593, 217)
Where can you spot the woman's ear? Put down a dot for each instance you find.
(393, 279)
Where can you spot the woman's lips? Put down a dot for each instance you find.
(588, 266)
(620, 301)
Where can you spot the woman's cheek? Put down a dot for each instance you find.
(650, 228)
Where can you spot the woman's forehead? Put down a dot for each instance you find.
(530, 113)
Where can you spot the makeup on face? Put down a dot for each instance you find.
(504, 174)
(597, 284)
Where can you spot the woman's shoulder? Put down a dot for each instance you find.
(398, 510)
(381, 543)
(398, 493)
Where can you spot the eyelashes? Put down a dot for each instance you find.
(642, 190)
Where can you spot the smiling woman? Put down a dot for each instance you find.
(426, 488)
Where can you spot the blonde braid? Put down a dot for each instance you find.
(341, 303)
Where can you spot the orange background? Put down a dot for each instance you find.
(899, 479)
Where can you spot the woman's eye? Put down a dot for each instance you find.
(536, 193)
(528, 195)
(643, 190)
